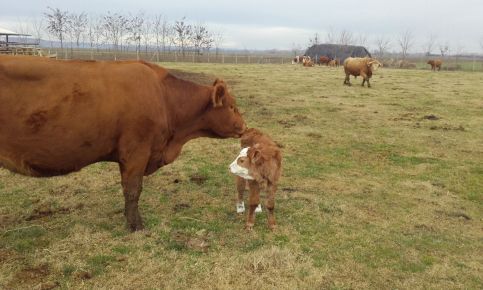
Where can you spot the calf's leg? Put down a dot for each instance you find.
(240, 187)
(270, 205)
(253, 201)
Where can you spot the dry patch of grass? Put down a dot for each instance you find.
(382, 188)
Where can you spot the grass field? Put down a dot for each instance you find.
(382, 189)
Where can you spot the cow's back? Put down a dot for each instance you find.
(59, 116)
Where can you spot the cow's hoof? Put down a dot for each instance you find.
(272, 227)
(249, 227)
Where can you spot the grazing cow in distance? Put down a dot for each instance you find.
(262, 162)
(324, 60)
(308, 63)
(334, 63)
(363, 67)
(60, 116)
(406, 64)
(299, 59)
(435, 63)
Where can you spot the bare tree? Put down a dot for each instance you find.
(296, 49)
(158, 30)
(444, 49)
(182, 34)
(345, 38)
(362, 40)
(405, 42)
(77, 24)
(37, 27)
(146, 35)
(114, 26)
(315, 40)
(218, 41)
(428, 46)
(383, 45)
(201, 38)
(94, 32)
(57, 23)
(134, 27)
(330, 37)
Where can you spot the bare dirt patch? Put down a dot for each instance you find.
(33, 276)
(198, 179)
(48, 209)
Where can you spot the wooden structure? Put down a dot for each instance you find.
(15, 47)
(333, 51)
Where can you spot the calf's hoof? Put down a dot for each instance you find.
(136, 227)
(249, 227)
(272, 227)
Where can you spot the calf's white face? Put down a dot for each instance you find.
(236, 167)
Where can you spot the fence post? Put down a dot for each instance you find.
(223, 58)
(236, 59)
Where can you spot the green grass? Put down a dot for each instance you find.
(375, 194)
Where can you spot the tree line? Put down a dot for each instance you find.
(120, 32)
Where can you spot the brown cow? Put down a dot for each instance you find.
(435, 63)
(324, 60)
(363, 67)
(264, 163)
(59, 116)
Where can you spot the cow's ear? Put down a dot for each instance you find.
(219, 91)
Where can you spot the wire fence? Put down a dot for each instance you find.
(173, 56)
(450, 63)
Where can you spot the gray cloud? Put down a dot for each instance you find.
(277, 24)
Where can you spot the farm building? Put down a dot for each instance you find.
(336, 51)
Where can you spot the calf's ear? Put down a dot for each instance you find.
(219, 91)
(255, 155)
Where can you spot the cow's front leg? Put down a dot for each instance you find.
(253, 201)
(132, 172)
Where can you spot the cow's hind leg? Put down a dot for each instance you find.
(253, 201)
(363, 81)
(132, 168)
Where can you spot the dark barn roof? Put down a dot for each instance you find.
(336, 51)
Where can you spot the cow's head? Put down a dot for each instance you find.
(223, 118)
(374, 64)
(430, 62)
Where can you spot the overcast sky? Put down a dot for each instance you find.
(267, 24)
